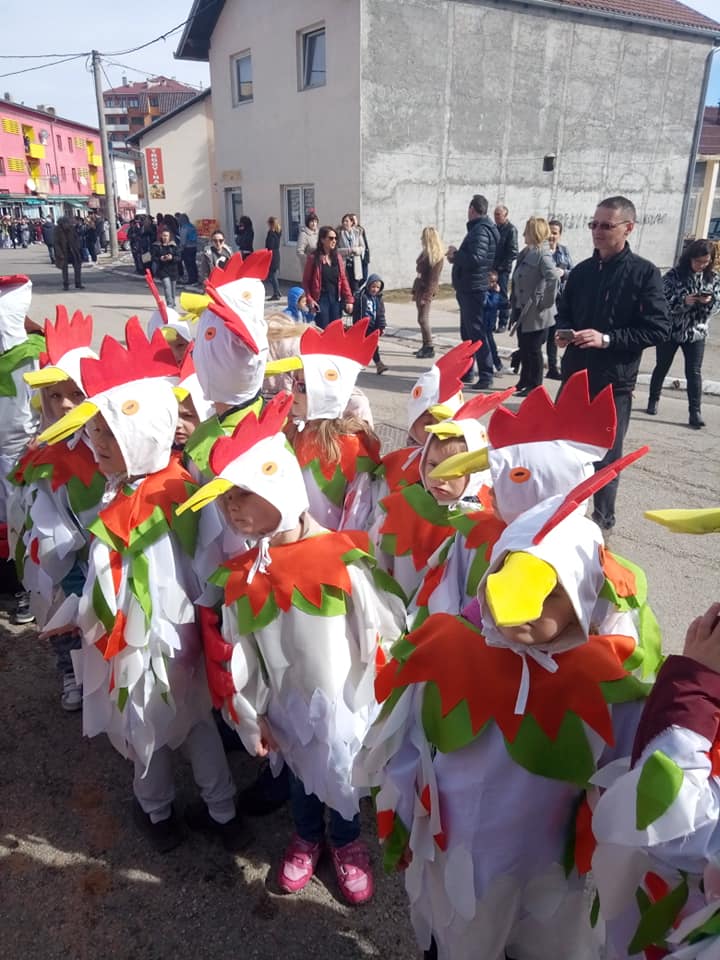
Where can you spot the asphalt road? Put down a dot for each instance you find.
(76, 881)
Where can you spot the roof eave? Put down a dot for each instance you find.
(195, 39)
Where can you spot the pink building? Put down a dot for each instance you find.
(48, 166)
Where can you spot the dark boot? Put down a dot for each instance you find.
(695, 420)
(652, 406)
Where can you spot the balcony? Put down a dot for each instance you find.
(35, 150)
(99, 189)
(95, 160)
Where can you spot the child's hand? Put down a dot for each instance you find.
(70, 628)
(405, 859)
(268, 743)
(702, 641)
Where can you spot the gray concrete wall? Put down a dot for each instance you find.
(465, 97)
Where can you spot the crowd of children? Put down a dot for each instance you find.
(440, 625)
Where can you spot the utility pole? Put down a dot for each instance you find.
(107, 161)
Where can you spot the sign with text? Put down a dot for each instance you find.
(155, 174)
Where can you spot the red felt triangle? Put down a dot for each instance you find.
(453, 365)
(161, 305)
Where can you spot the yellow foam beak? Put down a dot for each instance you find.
(69, 424)
(180, 393)
(206, 494)
(445, 429)
(283, 366)
(517, 592)
(170, 333)
(440, 412)
(45, 377)
(194, 303)
(687, 521)
(461, 464)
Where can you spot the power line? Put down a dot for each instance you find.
(37, 56)
(41, 66)
(145, 73)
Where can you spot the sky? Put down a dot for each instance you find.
(112, 28)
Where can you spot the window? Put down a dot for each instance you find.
(73, 174)
(58, 140)
(312, 58)
(17, 165)
(63, 174)
(299, 201)
(70, 144)
(48, 170)
(154, 102)
(132, 102)
(10, 126)
(2, 167)
(242, 78)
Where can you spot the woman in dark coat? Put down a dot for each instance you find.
(325, 281)
(272, 242)
(245, 236)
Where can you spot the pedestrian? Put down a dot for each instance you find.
(613, 307)
(215, 255)
(692, 290)
(366, 256)
(272, 243)
(471, 263)
(563, 261)
(297, 306)
(91, 237)
(307, 240)
(351, 248)
(245, 236)
(505, 255)
(166, 256)
(325, 281)
(369, 303)
(25, 232)
(428, 268)
(495, 300)
(135, 239)
(48, 228)
(532, 301)
(105, 234)
(188, 248)
(67, 252)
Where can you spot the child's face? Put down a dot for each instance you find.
(417, 430)
(492, 279)
(61, 398)
(188, 420)
(374, 288)
(299, 404)
(109, 457)
(249, 514)
(557, 615)
(302, 303)
(179, 346)
(444, 491)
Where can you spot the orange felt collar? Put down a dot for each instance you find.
(396, 474)
(165, 489)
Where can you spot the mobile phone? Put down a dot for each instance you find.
(565, 336)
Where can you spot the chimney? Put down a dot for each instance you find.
(7, 96)
(51, 111)
(124, 80)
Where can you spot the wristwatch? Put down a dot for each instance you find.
(606, 340)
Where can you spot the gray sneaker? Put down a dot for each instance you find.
(22, 613)
(71, 697)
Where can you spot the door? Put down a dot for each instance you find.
(233, 211)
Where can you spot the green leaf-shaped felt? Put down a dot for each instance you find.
(333, 603)
(658, 918)
(185, 526)
(384, 581)
(395, 845)
(122, 698)
(247, 621)
(650, 641)
(658, 786)
(334, 488)
(449, 732)
(711, 928)
(15, 357)
(139, 583)
(568, 757)
(626, 690)
(82, 498)
(101, 607)
(197, 449)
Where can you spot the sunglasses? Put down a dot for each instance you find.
(299, 386)
(331, 236)
(604, 225)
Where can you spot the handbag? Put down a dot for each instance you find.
(146, 257)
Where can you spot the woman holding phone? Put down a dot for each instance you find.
(692, 290)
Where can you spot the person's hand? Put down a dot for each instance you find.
(691, 298)
(268, 743)
(450, 255)
(702, 640)
(348, 307)
(585, 339)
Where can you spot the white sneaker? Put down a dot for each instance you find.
(71, 698)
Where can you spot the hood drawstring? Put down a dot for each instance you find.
(545, 660)
(262, 560)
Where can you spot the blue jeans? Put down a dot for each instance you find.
(62, 644)
(503, 312)
(308, 813)
(472, 327)
(273, 281)
(330, 309)
(497, 362)
(168, 285)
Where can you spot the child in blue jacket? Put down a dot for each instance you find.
(369, 303)
(494, 300)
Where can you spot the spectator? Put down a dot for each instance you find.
(91, 237)
(171, 223)
(215, 255)
(307, 240)
(534, 286)
(692, 290)
(135, 239)
(495, 300)
(105, 234)
(507, 251)
(67, 252)
(272, 242)
(297, 306)
(613, 307)
(563, 261)
(245, 236)
(25, 232)
(188, 248)
(428, 267)
(366, 255)
(325, 281)
(166, 256)
(471, 263)
(369, 303)
(351, 248)
(48, 229)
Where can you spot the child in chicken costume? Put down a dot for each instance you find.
(19, 354)
(657, 862)
(492, 724)
(59, 489)
(303, 626)
(338, 455)
(176, 328)
(141, 664)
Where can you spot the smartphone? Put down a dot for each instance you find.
(565, 336)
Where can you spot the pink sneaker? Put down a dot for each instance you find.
(353, 870)
(298, 864)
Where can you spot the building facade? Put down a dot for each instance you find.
(400, 110)
(49, 166)
(704, 205)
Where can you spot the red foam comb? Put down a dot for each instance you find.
(587, 488)
(187, 367)
(574, 417)
(218, 275)
(161, 305)
(250, 431)
(65, 334)
(479, 406)
(334, 340)
(141, 359)
(453, 365)
(14, 280)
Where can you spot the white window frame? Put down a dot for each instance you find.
(236, 58)
(305, 199)
(303, 37)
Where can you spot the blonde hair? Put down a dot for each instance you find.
(449, 445)
(327, 433)
(274, 224)
(280, 327)
(432, 245)
(537, 231)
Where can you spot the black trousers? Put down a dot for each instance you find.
(665, 354)
(604, 500)
(531, 358)
(551, 350)
(77, 270)
(472, 327)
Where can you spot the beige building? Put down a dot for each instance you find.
(178, 159)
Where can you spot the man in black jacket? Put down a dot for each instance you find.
(505, 255)
(471, 263)
(612, 308)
